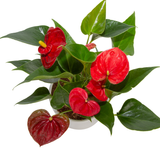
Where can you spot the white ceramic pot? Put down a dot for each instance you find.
(78, 124)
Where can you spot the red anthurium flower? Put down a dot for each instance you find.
(90, 46)
(45, 128)
(78, 100)
(51, 47)
(97, 89)
(112, 65)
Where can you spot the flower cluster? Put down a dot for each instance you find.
(84, 79)
(111, 65)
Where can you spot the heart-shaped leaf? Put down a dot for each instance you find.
(78, 100)
(125, 41)
(81, 53)
(30, 36)
(112, 29)
(69, 63)
(44, 128)
(106, 116)
(60, 97)
(136, 116)
(69, 39)
(94, 22)
(39, 94)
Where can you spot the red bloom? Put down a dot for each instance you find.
(78, 100)
(90, 46)
(44, 128)
(97, 89)
(51, 47)
(112, 64)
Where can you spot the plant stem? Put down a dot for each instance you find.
(63, 81)
(66, 49)
(65, 111)
(96, 49)
(88, 39)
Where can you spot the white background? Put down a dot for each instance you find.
(96, 142)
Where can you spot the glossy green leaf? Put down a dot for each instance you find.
(60, 97)
(81, 53)
(125, 41)
(30, 36)
(94, 22)
(30, 66)
(69, 86)
(42, 74)
(112, 29)
(106, 116)
(69, 39)
(39, 94)
(136, 116)
(19, 63)
(69, 63)
(134, 77)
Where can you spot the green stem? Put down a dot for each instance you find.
(96, 49)
(65, 111)
(88, 39)
(66, 49)
(63, 81)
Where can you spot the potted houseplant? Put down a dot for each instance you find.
(83, 79)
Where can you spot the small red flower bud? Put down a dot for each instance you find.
(90, 46)
(78, 100)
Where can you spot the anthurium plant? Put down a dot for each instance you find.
(86, 79)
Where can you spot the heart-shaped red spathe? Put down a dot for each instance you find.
(97, 89)
(112, 65)
(54, 40)
(44, 128)
(78, 100)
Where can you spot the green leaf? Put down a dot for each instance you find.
(112, 29)
(69, 63)
(136, 116)
(42, 74)
(30, 66)
(69, 39)
(94, 22)
(125, 41)
(132, 80)
(30, 36)
(19, 63)
(69, 86)
(60, 97)
(39, 94)
(106, 116)
(81, 53)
